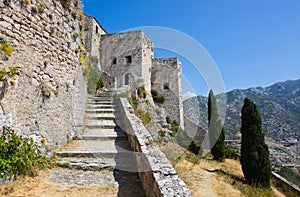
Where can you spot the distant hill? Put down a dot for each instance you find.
(278, 104)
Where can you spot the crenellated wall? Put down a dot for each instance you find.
(48, 96)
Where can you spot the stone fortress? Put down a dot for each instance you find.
(126, 60)
(48, 97)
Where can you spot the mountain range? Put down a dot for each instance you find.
(279, 106)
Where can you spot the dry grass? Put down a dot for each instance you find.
(205, 177)
(41, 186)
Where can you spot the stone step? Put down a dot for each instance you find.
(102, 134)
(102, 116)
(126, 162)
(95, 148)
(105, 102)
(101, 97)
(99, 111)
(99, 106)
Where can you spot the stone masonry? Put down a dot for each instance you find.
(48, 98)
(166, 80)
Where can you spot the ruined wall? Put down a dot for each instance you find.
(48, 96)
(166, 79)
(92, 37)
(123, 56)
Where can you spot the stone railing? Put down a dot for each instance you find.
(158, 176)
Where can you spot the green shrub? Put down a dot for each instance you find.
(230, 153)
(100, 84)
(175, 127)
(19, 155)
(157, 98)
(6, 48)
(145, 117)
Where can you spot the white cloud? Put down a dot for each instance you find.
(188, 95)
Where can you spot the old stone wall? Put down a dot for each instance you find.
(166, 79)
(92, 36)
(123, 56)
(158, 176)
(47, 98)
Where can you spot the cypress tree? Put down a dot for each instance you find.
(255, 159)
(215, 129)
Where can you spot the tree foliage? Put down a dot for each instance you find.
(215, 129)
(255, 158)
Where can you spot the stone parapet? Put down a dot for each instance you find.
(158, 176)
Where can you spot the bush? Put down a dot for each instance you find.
(175, 127)
(157, 98)
(100, 84)
(145, 117)
(231, 153)
(19, 155)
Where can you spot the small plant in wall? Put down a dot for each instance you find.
(6, 48)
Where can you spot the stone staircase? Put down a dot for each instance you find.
(102, 145)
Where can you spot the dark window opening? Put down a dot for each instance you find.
(166, 86)
(97, 29)
(128, 59)
(114, 61)
(165, 61)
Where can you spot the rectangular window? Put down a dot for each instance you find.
(114, 61)
(97, 29)
(166, 86)
(128, 59)
(165, 61)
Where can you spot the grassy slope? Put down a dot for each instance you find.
(205, 177)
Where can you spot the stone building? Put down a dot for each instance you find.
(126, 60)
(127, 56)
(166, 80)
(93, 31)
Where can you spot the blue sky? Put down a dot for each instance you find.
(253, 42)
